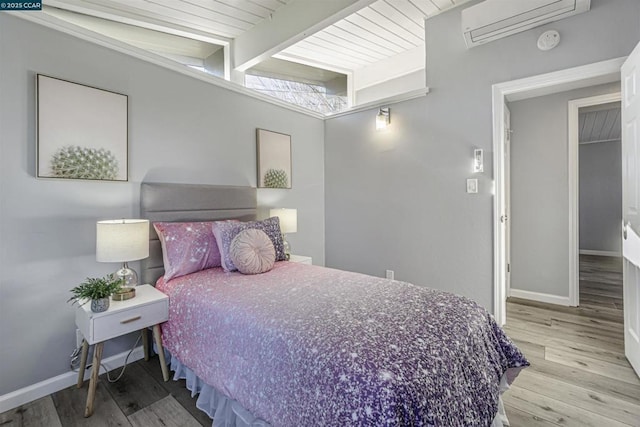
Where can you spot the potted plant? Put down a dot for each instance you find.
(97, 290)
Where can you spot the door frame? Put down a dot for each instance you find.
(543, 84)
(574, 187)
(507, 198)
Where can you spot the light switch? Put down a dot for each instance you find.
(472, 185)
(478, 160)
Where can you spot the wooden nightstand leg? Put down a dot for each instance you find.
(163, 364)
(145, 344)
(83, 362)
(93, 382)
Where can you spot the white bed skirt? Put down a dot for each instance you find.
(227, 412)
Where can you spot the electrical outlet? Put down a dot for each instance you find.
(79, 338)
(390, 274)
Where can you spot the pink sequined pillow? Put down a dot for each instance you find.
(187, 247)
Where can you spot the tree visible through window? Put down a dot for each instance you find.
(311, 96)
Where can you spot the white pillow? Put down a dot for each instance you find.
(252, 252)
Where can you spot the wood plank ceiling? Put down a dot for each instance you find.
(223, 18)
(601, 125)
(379, 31)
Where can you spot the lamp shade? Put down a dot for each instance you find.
(288, 219)
(122, 240)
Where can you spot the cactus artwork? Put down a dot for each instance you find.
(84, 163)
(274, 159)
(276, 178)
(82, 132)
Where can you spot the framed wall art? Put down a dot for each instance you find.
(274, 159)
(82, 131)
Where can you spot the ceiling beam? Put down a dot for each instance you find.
(288, 25)
(389, 68)
(126, 17)
(312, 63)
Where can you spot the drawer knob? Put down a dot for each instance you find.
(133, 319)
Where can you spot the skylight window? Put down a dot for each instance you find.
(312, 96)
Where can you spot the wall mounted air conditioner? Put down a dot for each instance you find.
(494, 19)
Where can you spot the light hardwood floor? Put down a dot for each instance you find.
(578, 374)
(139, 399)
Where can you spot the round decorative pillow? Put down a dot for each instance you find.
(252, 252)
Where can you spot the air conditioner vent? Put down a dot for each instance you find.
(494, 19)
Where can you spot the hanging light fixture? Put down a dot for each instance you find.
(383, 118)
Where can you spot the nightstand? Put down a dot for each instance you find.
(301, 259)
(149, 307)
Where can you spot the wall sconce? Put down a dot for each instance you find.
(383, 118)
(478, 161)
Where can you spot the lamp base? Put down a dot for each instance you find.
(124, 294)
(287, 248)
(128, 275)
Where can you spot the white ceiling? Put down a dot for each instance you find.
(226, 19)
(600, 124)
(154, 41)
(365, 33)
(379, 31)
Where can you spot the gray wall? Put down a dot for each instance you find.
(601, 197)
(180, 130)
(396, 199)
(540, 190)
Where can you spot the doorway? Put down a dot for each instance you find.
(547, 131)
(578, 77)
(590, 107)
(598, 136)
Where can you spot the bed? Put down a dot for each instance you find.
(304, 345)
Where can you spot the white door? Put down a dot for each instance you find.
(631, 205)
(507, 198)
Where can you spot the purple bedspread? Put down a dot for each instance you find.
(305, 345)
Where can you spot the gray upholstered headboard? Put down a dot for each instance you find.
(189, 202)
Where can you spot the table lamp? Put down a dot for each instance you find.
(123, 240)
(288, 224)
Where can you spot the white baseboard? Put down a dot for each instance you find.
(600, 253)
(539, 296)
(62, 381)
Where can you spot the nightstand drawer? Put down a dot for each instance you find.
(148, 308)
(124, 321)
